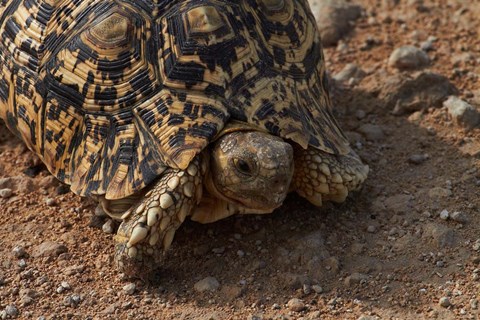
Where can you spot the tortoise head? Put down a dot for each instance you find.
(252, 169)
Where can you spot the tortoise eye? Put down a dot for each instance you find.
(113, 31)
(243, 166)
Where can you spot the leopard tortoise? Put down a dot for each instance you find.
(163, 109)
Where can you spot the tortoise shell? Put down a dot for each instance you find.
(111, 93)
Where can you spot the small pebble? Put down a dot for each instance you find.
(107, 227)
(72, 301)
(460, 217)
(22, 264)
(408, 57)
(444, 302)
(129, 288)
(418, 158)
(50, 202)
(318, 289)
(444, 215)
(19, 252)
(276, 306)
(371, 229)
(240, 253)
(6, 193)
(307, 289)
(11, 311)
(296, 305)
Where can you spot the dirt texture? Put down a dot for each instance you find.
(407, 246)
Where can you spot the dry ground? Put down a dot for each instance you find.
(385, 253)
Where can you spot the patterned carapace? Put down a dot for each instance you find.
(111, 93)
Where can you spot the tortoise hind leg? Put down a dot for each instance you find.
(320, 176)
(148, 227)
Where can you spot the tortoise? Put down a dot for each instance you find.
(163, 109)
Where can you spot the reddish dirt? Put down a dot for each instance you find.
(383, 254)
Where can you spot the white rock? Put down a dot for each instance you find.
(408, 57)
(462, 113)
(129, 288)
(444, 215)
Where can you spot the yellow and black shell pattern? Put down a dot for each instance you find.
(110, 93)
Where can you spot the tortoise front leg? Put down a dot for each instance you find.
(148, 227)
(320, 176)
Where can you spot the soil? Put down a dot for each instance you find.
(389, 252)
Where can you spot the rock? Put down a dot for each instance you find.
(5, 183)
(334, 18)
(129, 288)
(49, 249)
(460, 217)
(444, 302)
(440, 235)
(108, 226)
(50, 202)
(19, 252)
(444, 215)
(296, 305)
(307, 289)
(371, 229)
(355, 279)
(372, 132)
(408, 57)
(406, 94)
(317, 288)
(11, 311)
(351, 74)
(75, 269)
(207, 284)
(72, 301)
(6, 193)
(418, 158)
(462, 113)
